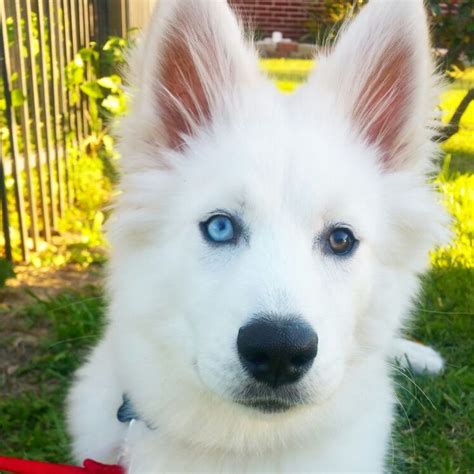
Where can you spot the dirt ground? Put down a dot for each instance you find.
(18, 340)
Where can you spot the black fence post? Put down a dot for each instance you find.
(11, 123)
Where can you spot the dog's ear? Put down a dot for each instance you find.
(192, 61)
(381, 75)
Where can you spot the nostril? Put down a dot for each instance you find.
(260, 358)
(303, 358)
(300, 360)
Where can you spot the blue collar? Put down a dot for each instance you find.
(126, 412)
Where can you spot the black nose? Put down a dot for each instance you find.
(277, 351)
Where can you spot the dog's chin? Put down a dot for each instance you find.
(267, 405)
(264, 399)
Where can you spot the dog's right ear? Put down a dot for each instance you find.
(192, 62)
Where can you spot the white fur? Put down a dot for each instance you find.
(290, 165)
(417, 357)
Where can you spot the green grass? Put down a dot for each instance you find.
(434, 432)
(32, 423)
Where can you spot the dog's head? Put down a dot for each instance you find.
(265, 245)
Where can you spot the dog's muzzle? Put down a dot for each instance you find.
(276, 352)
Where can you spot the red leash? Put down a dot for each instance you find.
(21, 466)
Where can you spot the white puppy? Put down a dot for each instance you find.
(265, 250)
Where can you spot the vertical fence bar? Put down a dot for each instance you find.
(55, 104)
(123, 18)
(3, 191)
(25, 124)
(3, 196)
(92, 21)
(37, 122)
(82, 44)
(89, 71)
(11, 123)
(75, 49)
(68, 56)
(63, 99)
(86, 19)
(72, 111)
(46, 113)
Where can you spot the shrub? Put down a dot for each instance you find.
(453, 27)
(327, 17)
(6, 271)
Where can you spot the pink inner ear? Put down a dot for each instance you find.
(382, 107)
(182, 97)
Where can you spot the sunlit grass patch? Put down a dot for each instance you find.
(458, 196)
(278, 68)
(288, 74)
(461, 142)
(450, 100)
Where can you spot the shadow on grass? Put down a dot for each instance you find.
(463, 162)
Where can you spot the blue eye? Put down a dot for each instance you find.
(219, 229)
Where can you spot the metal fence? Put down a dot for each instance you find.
(39, 121)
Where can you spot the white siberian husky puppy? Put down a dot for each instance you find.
(265, 250)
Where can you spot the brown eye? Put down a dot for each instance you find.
(341, 241)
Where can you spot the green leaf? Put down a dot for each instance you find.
(18, 98)
(92, 90)
(108, 143)
(74, 96)
(89, 54)
(114, 42)
(95, 120)
(114, 104)
(436, 9)
(78, 61)
(10, 30)
(110, 82)
(78, 76)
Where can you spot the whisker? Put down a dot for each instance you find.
(410, 393)
(405, 374)
(409, 425)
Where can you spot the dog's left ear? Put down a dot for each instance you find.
(193, 60)
(381, 76)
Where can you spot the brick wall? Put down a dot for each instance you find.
(266, 16)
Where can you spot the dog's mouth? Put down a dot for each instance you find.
(267, 405)
(268, 400)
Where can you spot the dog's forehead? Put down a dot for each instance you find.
(271, 160)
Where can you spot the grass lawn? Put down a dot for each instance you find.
(435, 429)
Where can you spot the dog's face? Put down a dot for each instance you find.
(266, 244)
(275, 260)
